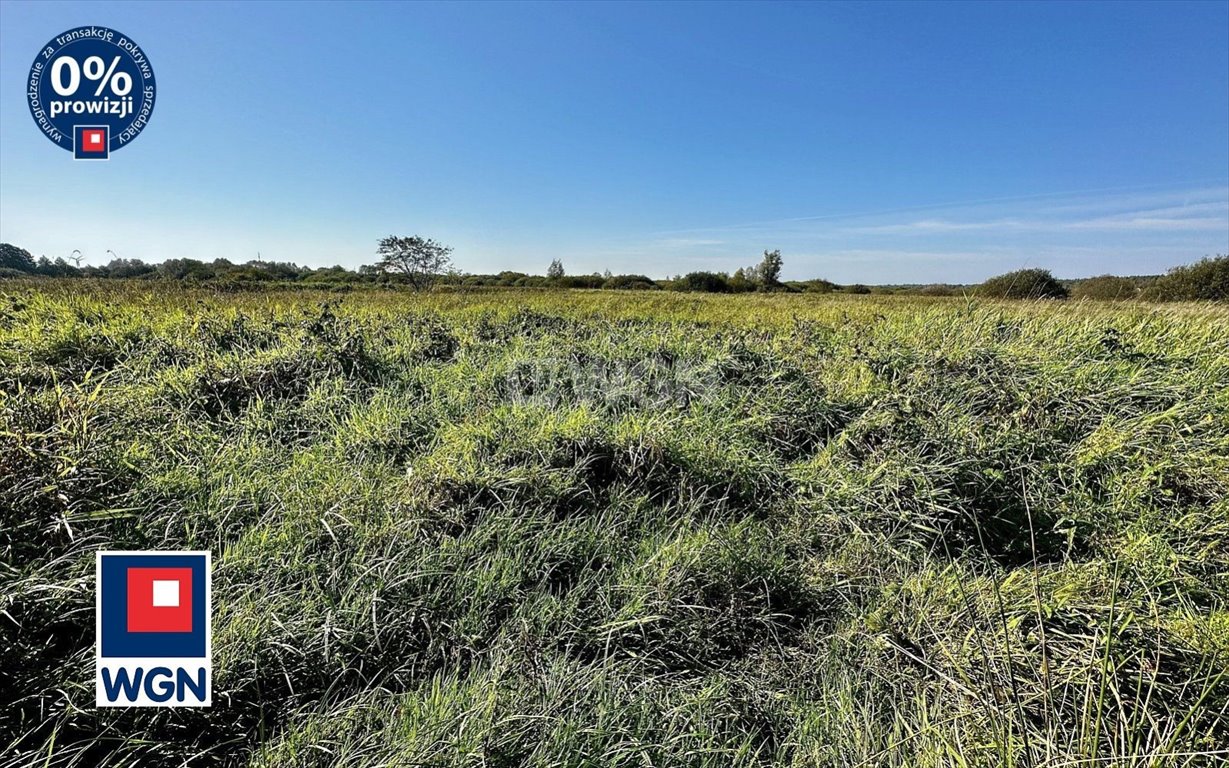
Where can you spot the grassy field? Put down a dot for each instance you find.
(615, 529)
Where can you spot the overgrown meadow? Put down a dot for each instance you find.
(593, 528)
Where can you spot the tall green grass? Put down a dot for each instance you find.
(595, 528)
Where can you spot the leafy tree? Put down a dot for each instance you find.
(1023, 284)
(420, 259)
(765, 275)
(12, 257)
(740, 283)
(555, 270)
(769, 269)
(57, 268)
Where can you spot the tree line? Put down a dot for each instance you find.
(419, 263)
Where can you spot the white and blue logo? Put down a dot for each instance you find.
(154, 635)
(91, 90)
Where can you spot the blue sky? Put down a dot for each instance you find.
(870, 143)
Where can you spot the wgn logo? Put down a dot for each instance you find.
(154, 638)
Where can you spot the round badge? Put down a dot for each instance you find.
(91, 91)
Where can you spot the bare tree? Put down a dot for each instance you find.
(555, 270)
(419, 259)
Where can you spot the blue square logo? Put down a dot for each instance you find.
(152, 615)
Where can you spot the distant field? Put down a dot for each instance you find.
(626, 529)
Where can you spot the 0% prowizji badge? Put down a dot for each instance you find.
(91, 91)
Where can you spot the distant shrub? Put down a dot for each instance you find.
(1205, 280)
(328, 275)
(739, 283)
(129, 268)
(241, 275)
(629, 283)
(576, 281)
(58, 268)
(10, 272)
(704, 282)
(814, 286)
(1105, 287)
(858, 288)
(180, 269)
(937, 290)
(1023, 284)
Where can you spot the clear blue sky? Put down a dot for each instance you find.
(874, 143)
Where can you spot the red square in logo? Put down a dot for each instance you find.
(159, 599)
(93, 140)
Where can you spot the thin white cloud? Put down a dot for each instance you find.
(686, 242)
(1154, 224)
(935, 225)
(1196, 210)
(1127, 222)
(1186, 198)
(1108, 199)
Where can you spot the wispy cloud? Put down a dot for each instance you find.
(686, 242)
(1163, 220)
(1044, 211)
(924, 226)
(1153, 223)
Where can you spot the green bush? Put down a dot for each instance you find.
(813, 286)
(704, 282)
(1105, 287)
(629, 282)
(576, 281)
(1205, 280)
(1023, 284)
